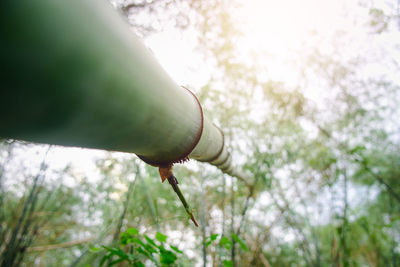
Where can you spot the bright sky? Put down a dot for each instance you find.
(276, 34)
(276, 26)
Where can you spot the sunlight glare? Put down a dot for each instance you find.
(280, 33)
(280, 25)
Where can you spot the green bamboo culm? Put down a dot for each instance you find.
(73, 74)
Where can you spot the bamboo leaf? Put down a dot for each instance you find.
(160, 237)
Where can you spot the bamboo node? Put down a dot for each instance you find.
(185, 156)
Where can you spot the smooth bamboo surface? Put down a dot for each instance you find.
(72, 73)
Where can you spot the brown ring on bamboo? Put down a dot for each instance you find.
(185, 156)
(225, 160)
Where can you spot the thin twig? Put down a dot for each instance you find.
(61, 245)
(174, 183)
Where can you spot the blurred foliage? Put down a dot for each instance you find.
(325, 188)
(135, 250)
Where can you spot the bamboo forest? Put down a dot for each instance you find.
(199, 133)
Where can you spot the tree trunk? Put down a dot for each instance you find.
(233, 248)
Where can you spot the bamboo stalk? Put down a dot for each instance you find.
(73, 74)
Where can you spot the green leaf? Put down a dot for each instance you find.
(105, 258)
(225, 242)
(150, 248)
(150, 241)
(176, 249)
(117, 251)
(146, 254)
(137, 241)
(125, 239)
(138, 264)
(241, 242)
(116, 261)
(143, 252)
(212, 238)
(227, 263)
(167, 257)
(94, 249)
(132, 231)
(160, 237)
